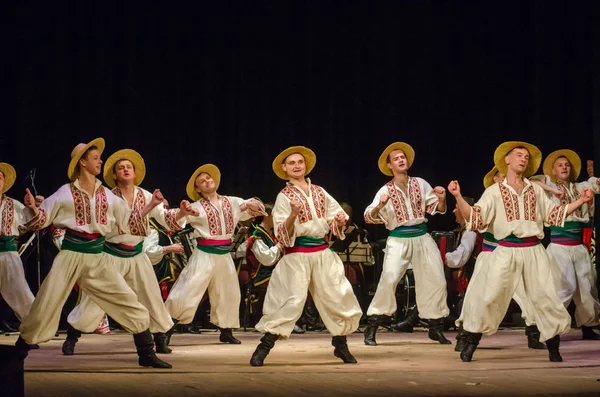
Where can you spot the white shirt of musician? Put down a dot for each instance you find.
(13, 217)
(140, 228)
(153, 250)
(71, 207)
(402, 209)
(509, 213)
(572, 192)
(315, 219)
(267, 256)
(460, 256)
(219, 223)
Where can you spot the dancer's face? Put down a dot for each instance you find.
(124, 172)
(517, 160)
(397, 162)
(205, 184)
(294, 166)
(562, 169)
(92, 162)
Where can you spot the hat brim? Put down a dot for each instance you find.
(310, 159)
(488, 179)
(71, 171)
(209, 169)
(573, 158)
(408, 151)
(10, 176)
(535, 157)
(125, 154)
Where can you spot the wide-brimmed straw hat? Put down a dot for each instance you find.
(78, 151)
(209, 169)
(310, 158)
(10, 176)
(535, 156)
(408, 151)
(125, 154)
(573, 158)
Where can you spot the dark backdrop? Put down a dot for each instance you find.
(235, 82)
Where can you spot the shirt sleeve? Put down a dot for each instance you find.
(483, 212)
(552, 214)
(333, 208)
(383, 215)
(459, 257)
(166, 217)
(431, 200)
(48, 211)
(265, 255)
(281, 211)
(152, 249)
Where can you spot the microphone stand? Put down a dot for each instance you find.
(37, 233)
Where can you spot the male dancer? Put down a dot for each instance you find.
(89, 212)
(211, 266)
(124, 171)
(401, 206)
(517, 211)
(303, 215)
(13, 286)
(567, 252)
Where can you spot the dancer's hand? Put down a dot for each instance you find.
(454, 188)
(296, 207)
(440, 192)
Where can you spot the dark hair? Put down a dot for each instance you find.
(469, 200)
(269, 208)
(517, 147)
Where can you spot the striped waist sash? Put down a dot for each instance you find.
(489, 242)
(571, 234)
(307, 244)
(516, 242)
(409, 231)
(8, 243)
(217, 247)
(123, 250)
(82, 242)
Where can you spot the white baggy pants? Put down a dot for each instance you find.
(13, 286)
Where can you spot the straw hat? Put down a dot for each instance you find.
(309, 157)
(211, 170)
(488, 179)
(570, 155)
(408, 151)
(78, 151)
(125, 154)
(535, 156)
(10, 176)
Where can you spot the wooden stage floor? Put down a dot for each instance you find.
(402, 364)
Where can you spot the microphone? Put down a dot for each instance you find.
(32, 177)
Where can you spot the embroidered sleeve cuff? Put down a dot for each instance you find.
(172, 224)
(37, 221)
(254, 212)
(476, 221)
(557, 216)
(283, 237)
(431, 209)
(376, 220)
(337, 230)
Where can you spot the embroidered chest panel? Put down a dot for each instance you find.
(139, 202)
(569, 197)
(318, 197)
(510, 202)
(415, 196)
(83, 212)
(212, 214)
(8, 217)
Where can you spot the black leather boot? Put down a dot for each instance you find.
(262, 350)
(533, 337)
(22, 348)
(472, 342)
(227, 336)
(372, 326)
(461, 340)
(408, 324)
(311, 317)
(553, 345)
(145, 350)
(341, 349)
(298, 330)
(587, 333)
(160, 341)
(68, 347)
(436, 331)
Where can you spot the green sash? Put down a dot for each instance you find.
(123, 251)
(82, 242)
(8, 243)
(409, 231)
